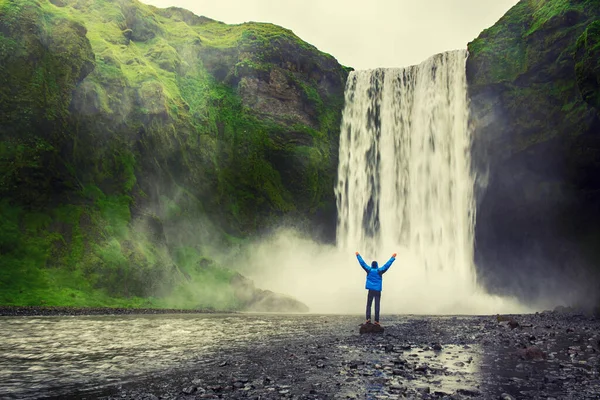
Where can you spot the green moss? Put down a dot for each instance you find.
(521, 38)
(587, 67)
(543, 11)
(217, 34)
(121, 127)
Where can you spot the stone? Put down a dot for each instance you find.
(506, 396)
(370, 328)
(189, 390)
(469, 392)
(255, 299)
(531, 353)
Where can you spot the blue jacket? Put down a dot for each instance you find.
(374, 274)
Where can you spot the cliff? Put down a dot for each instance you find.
(533, 82)
(136, 140)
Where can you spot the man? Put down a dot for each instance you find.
(374, 283)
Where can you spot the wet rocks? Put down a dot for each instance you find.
(475, 359)
(506, 396)
(371, 328)
(259, 300)
(532, 353)
(507, 321)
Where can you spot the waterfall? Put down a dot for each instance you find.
(404, 186)
(404, 180)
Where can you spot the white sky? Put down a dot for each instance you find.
(368, 33)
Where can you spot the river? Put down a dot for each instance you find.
(271, 356)
(50, 356)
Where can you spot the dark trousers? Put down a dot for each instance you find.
(373, 294)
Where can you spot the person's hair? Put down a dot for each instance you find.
(374, 264)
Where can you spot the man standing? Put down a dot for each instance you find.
(374, 283)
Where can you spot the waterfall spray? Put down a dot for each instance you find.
(404, 180)
(404, 186)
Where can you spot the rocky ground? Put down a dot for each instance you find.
(549, 355)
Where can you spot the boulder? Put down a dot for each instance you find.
(370, 328)
(252, 298)
(532, 353)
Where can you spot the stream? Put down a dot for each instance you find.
(296, 356)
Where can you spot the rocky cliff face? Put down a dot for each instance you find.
(533, 81)
(136, 139)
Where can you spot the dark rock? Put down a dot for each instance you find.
(531, 353)
(469, 392)
(371, 328)
(422, 368)
(189, 390)
(530, 133)
(267, 381)
(254, 299)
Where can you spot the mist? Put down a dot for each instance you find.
(532, 234)
(329, 280)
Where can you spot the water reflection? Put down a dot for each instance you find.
(53, 355)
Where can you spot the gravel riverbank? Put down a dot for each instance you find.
(548, 355)
(542, 356)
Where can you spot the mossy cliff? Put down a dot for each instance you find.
(134, 141)
(534, 85)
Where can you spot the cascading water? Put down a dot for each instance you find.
(404, 186)
(405, 183)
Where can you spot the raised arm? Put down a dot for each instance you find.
(362, 262)
(388, 264)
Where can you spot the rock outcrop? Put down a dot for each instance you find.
(533, 85)
(135, 139)
(252, 298)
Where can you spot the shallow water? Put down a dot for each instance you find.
(87, 357)
(47, 356)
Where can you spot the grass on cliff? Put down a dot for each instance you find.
(534, 40)
(506, 42)
(81, 244)
(51, 260)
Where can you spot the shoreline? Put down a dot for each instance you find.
(58, 311)
(62, 311)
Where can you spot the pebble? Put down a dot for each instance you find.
(421, 360)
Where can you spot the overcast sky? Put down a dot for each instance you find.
(364, 34)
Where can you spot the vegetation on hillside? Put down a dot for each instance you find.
(131, 155)
(533, 81)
